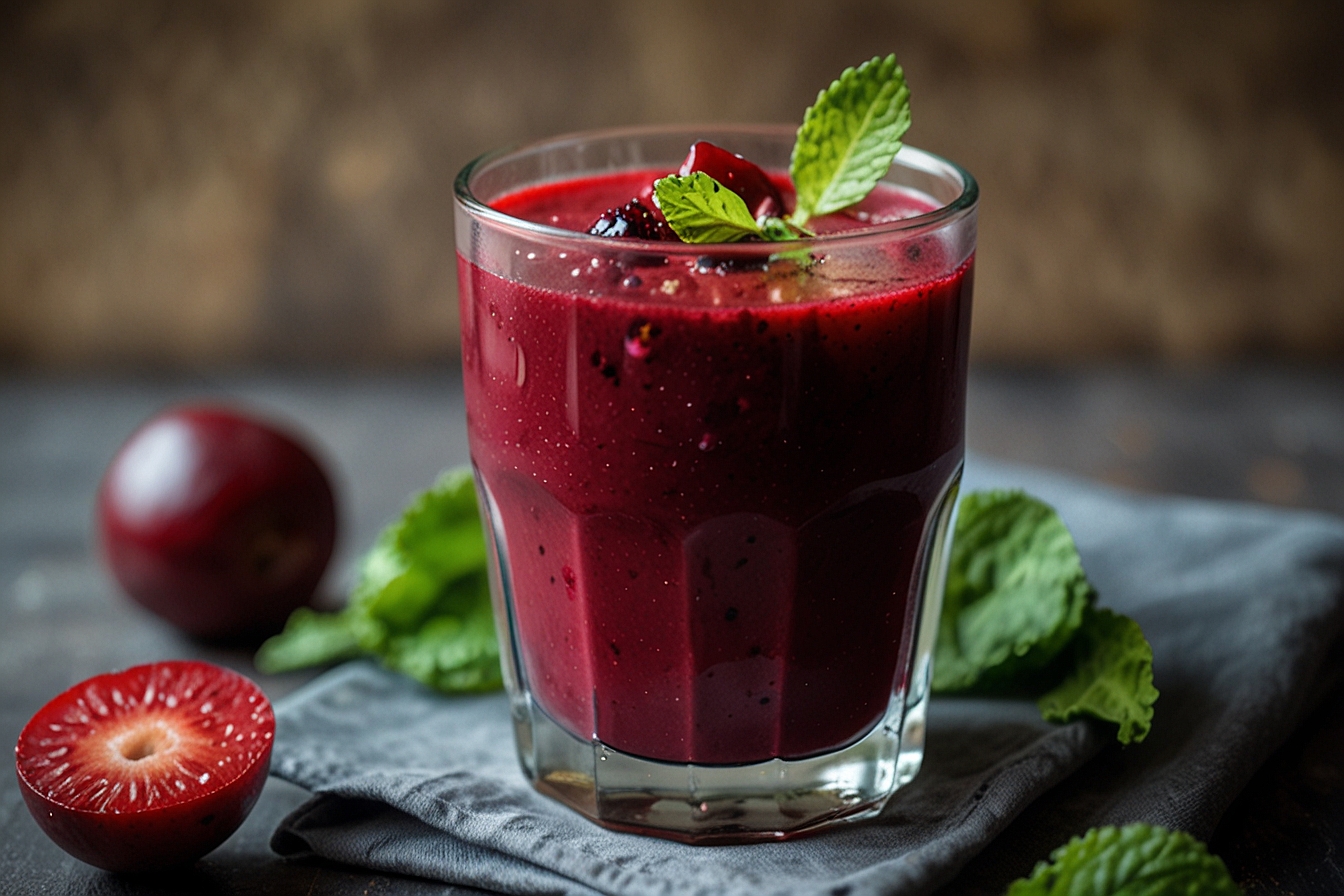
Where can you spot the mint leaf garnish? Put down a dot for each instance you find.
(702, 210)
(846, 143)
(778, 230)
(421, 603)
(849, 137)
(1112, 677)
(1015, 595)
(1136, 860)
(1018, 615)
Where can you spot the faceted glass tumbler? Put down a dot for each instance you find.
(716, 482)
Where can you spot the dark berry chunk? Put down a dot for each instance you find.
(635, 221)
(737, 174)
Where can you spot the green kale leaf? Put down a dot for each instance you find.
(1111, 677)
(421, 603)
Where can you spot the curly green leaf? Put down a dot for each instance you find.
(1136, 860)
(1112, 677)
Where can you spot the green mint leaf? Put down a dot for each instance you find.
(1136, 860)
(699, 209)
(801, 259)
(309, 639)
(778, 230)
(1015, 596)
(849, 137)
(421, 603)
(1112, 677)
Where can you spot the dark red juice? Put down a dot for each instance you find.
(714, 481)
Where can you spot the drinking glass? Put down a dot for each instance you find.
(716, 482)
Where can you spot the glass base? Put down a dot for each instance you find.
(699, 803)
(773, 800)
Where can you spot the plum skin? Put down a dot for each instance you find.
(216, 521)
(173, 833)
(156, 839)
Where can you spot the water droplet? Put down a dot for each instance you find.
(708, 441)
(522, 367)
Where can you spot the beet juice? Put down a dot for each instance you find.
(715, 480)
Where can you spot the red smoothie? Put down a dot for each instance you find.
(714, 480)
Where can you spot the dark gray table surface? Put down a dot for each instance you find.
(1268, 434)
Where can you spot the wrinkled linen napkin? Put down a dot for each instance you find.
(1242, 605)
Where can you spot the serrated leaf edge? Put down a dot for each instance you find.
(808, 207)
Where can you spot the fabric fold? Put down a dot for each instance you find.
(1242, 605)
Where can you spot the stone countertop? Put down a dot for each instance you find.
(1269, 434)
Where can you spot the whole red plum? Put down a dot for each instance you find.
(216, 521)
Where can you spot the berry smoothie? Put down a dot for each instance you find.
(712, 477)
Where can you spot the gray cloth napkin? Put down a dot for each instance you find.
(1242, 605)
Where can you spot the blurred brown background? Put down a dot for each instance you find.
(219, 184)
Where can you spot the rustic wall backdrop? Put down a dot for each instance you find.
(225, 183)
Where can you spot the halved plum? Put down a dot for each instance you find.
(148, 768)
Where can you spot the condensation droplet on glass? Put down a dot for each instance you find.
(522, 366)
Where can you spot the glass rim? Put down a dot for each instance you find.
(919, 159)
